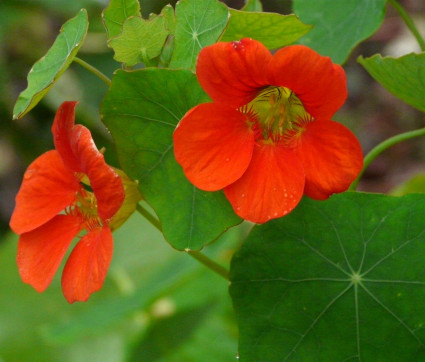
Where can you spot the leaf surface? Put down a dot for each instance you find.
(198, 24)
(253, 5)
(117, 12)
(273, 30)
(339, 25)
(142, 110)
(336, 280)
(404, 77)
(140, 40)
(49, 68)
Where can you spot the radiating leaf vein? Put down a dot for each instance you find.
(407, 242)
(401, 321)
(307, 331)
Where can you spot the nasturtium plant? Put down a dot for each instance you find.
(117, 12)
(141, 117)
(140, 41)
(48, 69)
(338, 26)
(361, 271)
(273, 30)
(198, 24)
(404, 76)
(229, 150)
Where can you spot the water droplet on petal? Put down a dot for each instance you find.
(227, 159)
(275, 214)
(274, 188)
(28, 174)
(243, 195)
(285, 194)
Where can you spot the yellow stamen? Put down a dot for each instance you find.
(278, 113)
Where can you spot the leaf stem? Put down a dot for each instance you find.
(93, 70)
(209, 263)
(383, 146)
(202, 258)
(409, 22)
(154, 222)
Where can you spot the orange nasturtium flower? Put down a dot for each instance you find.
(53, 183)
(268, 137)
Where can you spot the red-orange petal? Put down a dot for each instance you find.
(320, 84)
(48, 187)
(332, 158)
(105, 182)
(271, 187)
(87, 265)
(79, 153)
(213, 143)
(41, 251)
(62, 129)
(233, 73)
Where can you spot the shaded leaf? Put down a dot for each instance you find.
(48, 69)
(117, 12)
(273, 30)
(198, 24)
(253, 5)
(404, 77)
(339, 25)
(141, 110)
(338, 280)
(140, 40)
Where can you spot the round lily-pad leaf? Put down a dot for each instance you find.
(335, 280)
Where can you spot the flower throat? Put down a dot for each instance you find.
(277, 114)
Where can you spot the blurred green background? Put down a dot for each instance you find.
(157, 304)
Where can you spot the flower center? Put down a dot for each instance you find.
(277, 114)
(87, 206)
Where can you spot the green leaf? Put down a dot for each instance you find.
(170, 18)
(142, 109)
(48, 69)
(140, 40)
(273, 30)
(253, 5)
(198, 24)
(335, 280)
(339, 25)
(117, 12)
(404, 77)
(414, 185)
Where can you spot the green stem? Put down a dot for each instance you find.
(154, 222)
(209, 263)
(409, 22)
(382, 147)
(93, 70)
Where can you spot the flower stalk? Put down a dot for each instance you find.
(202, 258)
(409, 23)
(383, 146)
(93, 70)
